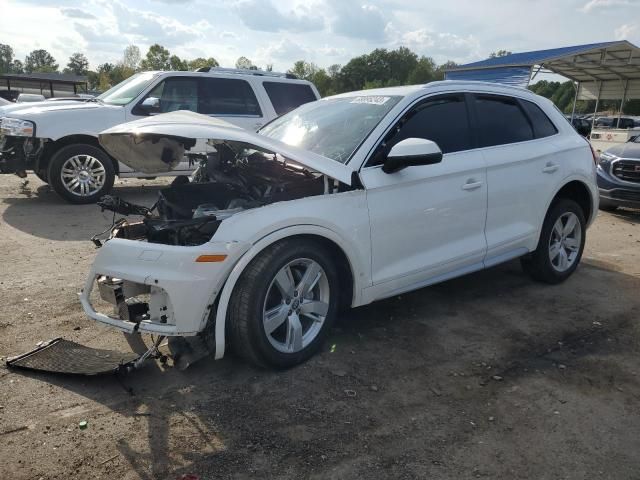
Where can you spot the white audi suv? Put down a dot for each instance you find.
(339, 203)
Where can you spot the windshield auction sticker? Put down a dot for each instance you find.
(371, 100)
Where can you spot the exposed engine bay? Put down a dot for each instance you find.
(233, 178)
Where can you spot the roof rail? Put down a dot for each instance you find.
(247, 71)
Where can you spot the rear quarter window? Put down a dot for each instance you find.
(288, 96)
(542, 126)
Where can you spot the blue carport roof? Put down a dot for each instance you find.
(536, 57)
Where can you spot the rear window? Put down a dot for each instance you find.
(541, 123)
(501, 121)
(288, 96)
(225, 96)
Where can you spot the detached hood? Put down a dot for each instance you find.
(157, 144)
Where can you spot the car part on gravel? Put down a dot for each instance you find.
(63, 356)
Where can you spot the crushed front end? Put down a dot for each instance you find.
(20, 149)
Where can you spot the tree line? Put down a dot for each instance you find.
(379, 68)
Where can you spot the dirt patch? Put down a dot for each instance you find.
(486, 376)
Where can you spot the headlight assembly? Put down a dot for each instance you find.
(14, 127)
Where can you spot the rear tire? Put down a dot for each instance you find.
(81, 173)
(561, 244)
(284, 304)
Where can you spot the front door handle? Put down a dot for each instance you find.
(471, 185)
(550, 167)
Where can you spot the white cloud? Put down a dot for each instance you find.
(263, 15)
(77, 13)
(356, 20)
(624, 32)
(602, 4)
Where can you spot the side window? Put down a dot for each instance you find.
(501, 121)
(288, 96)
(541, 124)
(227, 96)
(176, 93)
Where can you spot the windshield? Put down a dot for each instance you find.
(331, 127)
(127, 90)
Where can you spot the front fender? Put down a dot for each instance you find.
(259, 246)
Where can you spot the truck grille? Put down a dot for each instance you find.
(629, 195)
(627, 170)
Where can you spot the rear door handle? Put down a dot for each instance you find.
(550, 167)
(471, 185)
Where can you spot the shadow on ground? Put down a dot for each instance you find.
(37, 210)
(489, 375)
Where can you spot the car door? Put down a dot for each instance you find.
(522, 171)
(232, 100)
(427, 222)
(174, 93)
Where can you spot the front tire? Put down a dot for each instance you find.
(81, 173)
(284, 304)
(561, 244)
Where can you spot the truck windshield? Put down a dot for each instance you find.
(331, 127)
(127, 90)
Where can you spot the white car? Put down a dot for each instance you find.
(30, 98)
(342, 202)
(58, 140)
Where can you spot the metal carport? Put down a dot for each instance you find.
(600, 71)
(47, 84)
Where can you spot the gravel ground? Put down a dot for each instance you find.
(486, 376)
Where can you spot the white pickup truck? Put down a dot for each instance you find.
(58, 141)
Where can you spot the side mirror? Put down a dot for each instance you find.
(412, 152)
(150, 105)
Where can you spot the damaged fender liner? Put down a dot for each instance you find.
(62, 356)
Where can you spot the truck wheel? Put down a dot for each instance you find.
(560, 246)
(81, 173)
(284, 304)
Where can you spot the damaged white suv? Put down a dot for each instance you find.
(339, 203)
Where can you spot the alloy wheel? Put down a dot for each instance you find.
(565, 241)
(296, 305)
(83, 175)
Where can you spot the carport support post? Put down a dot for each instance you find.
(51, 88)
(576, 85)
(593, 120)
(624, 98)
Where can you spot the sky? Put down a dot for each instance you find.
(325, 32)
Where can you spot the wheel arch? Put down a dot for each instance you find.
(348, 271)
(579, 192)
(52, 147)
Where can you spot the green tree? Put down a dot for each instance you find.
(40, 61)
(201, 62)
(131, 57)
(303, 70)
(177, 64)
(425, 71)
(244, 62)
(499, 53)
(6, 58)
(78, 64)
(157, 58)
(17, 66)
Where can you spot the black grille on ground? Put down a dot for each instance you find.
(625, 195)
(627, 170)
